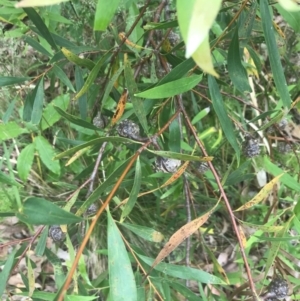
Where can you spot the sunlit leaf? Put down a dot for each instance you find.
(31, 3)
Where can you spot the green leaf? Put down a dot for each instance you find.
(178, 72)
(46, 153)
(247, 19)
(183, 272)
(179, 156)
(76, 120)
(292, 18)
(63, 77)
(95, 142)
(7, 180)
(104, 13)
(6, 80)
(38, 211)
(200, 115)
(144, 232)
(78, 61)
(237, 72)
(58, 269)
(274, 57)
(11, 130)
(121, 278)
(82, 101)
(221, 111)
(172, 88)
(25, 160)
(93, 75)
(110, 85)
(40, 25)
(37, 109)
(286, 179)
(41, 245)
(183, 290)
(138, 105)
(174, 137)
(37, 46)
(135, 190)
(50, 115)
(5, 273)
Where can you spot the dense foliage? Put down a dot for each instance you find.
(149, 150)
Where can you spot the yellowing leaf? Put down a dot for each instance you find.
(203, 59)
(31, 3)
(179, 236)
(261, 195)
(120, 107)
(290, 5)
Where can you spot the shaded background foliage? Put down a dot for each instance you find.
(67, 134)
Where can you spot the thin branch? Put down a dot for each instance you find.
(227, 204)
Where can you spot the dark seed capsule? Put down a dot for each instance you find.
(167, 164)
(100, 121)
(277, 289)
(203, 167)
(251, 148)
(284, 147)
(56, 233)
(92, 209)
(128, 129)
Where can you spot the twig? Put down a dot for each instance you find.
(231, 215)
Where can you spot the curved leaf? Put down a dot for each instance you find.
(38, 211)
(121, 278)
(221, 111)
(275, 61)
(172, 88)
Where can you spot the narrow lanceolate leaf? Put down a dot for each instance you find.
(237, 72)
(40, 25)
(38, 211)
(137, 102)
(135, 190)
(261, 195)
(274, 56)
(63, 77)
(221, 111)
(286, 179)
(25, 160)
(121, 278)
(292, 18)
(120, 107)
(46, 153)
(92, 76)
(8, 180)
(195, 20)
(172, 88)
(104, 12)
(31, 3)
(180, 235)
(5, 273)
(73, 58)
(37, 109)
(6, 80)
